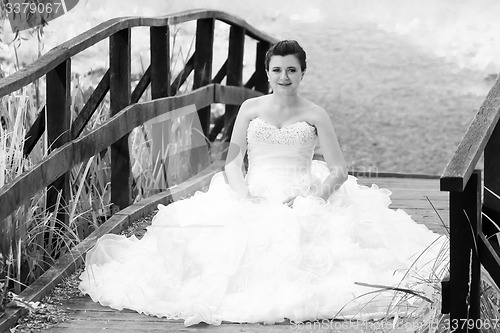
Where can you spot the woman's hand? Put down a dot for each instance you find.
(253, 198)
(289, 201)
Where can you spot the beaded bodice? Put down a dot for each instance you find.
(297, 133)
(279, 159)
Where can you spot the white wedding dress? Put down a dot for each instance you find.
(215, 257)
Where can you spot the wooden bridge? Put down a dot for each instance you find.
(463, 212)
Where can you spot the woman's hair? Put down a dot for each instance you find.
(284, 48)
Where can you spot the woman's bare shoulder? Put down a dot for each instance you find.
(315, 114)
(250, 108)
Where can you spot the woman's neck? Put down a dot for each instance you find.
(286, 102)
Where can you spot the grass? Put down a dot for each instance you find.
(415, 304)
(32, 237)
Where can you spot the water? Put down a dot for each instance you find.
(401, 79)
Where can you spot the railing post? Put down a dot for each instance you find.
(261, 82)
(58, 103)
(465, 219)
(203, 59)
(234, 76)
(119, 95)
(160, 87)
(203, 64)
(491, 206)
(160, 61)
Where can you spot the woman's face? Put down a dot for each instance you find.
(285, 74)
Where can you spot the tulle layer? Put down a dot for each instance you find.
(213, 257)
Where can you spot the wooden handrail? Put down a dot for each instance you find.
(59, 54)
(23, 187)
(464, 160)
(470, 244)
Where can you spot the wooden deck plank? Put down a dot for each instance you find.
(412, 195)
(391, 185)
(416, 205)
(418, 194)
(89, 316)
(166, 326)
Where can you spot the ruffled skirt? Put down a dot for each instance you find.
(212, 257)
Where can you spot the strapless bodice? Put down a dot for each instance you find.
(279, 159)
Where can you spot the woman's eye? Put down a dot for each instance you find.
(292, 70)
(276, 70)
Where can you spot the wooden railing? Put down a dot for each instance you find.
(474, 215)
(69, 148)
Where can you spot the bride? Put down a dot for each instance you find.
(294, 238)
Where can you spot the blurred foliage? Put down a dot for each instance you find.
(36, 31)
(18, 36)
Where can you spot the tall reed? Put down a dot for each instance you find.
(16, 111)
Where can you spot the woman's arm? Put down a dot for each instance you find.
(332, 154)
(236, 153)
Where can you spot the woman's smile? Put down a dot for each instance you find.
(285, 73)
